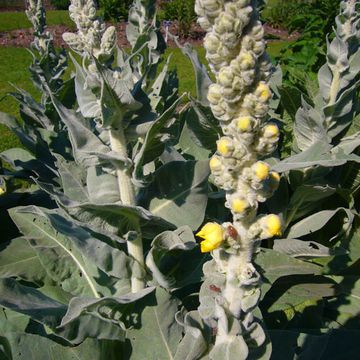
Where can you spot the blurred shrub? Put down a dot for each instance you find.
(115, 10)
(302, 59)
(181, 11)
(61, 4)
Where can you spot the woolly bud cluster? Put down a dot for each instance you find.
(92, 36)
(35, 12)
(239, 99)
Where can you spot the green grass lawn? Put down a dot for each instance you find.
(14, 63)
(13, 20)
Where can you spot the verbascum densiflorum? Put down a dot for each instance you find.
(92, 36)
(239, 99)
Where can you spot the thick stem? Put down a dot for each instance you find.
(127, 196)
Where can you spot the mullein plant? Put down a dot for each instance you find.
(49, 64)
(108, 252)
(239, 99)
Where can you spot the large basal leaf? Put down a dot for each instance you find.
(305, 249)
(12, 321)
(174, 259)
(306, 198)
(158, 326)
(20, 260)
(31, 302)
(292, 294)
(21, 159)
(43, 309)
(179, 193)
(103, 186)
(109, 259)
(344, 310)
(274, 265)
(115, 309)
(333, 345)
(317, 221)
(117, 219)
(72, 179)
(320, 154)
(63, 262)
(25, 346)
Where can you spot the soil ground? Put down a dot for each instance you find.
(24, 37)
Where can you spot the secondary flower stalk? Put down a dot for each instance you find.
(94, 41)
(239, 99)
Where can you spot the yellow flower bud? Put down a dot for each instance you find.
(214, 94)
(213, 235)
(263, 91)
(244, 123)
(239, 205)
(271, 131)
(224, 23)
(226, 77)
(2, 191)
(215, 163)
(225, 146)
(261, 170)
(246, 61)
(272, 225)
(211, 42)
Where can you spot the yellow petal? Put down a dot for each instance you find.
(224, 146)
(261, 170)
(213, 235)
(263, 90)
(273, 225)
(215, 163)
(244, 123)
(271, 130)
(207, 246)
(239, 205)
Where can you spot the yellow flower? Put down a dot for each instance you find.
(263, 91)
(2, 191)
(271, 131)
(244, 123)
(239, 205)
(225, 146)
(213, 235)
(261, 170)
(215, 163)
(272, 225)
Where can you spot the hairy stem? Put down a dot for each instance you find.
(127, 195)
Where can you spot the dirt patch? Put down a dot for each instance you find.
(24, 37)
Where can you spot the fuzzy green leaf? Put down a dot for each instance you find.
(20, 260)
(179, 192)
(162, 330)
